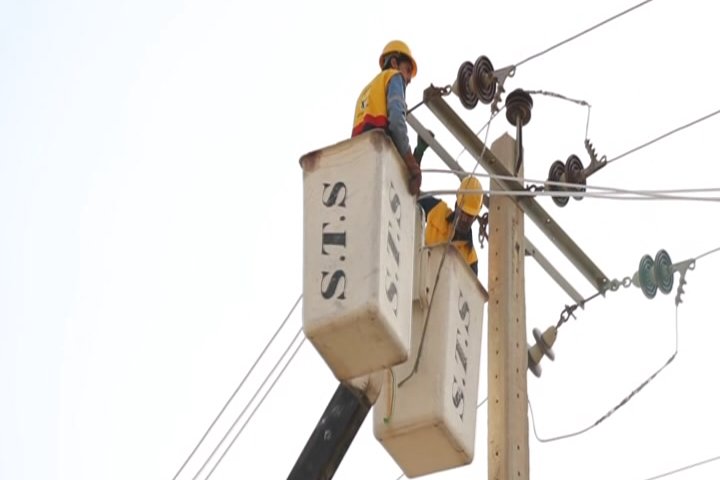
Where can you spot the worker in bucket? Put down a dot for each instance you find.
(381, 104)
(441, 218)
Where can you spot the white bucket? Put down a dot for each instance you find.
(358, 233)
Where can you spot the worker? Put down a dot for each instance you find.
(440, 219)
(381, 104)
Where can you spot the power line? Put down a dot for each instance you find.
(583, 103)
(237, 389)
(642, 385)
(447, 89)
(237, 419)
(256, 407)
(636, 390)
(567, 40)
(611, 192)
(487, 125)
(576, 101)
(639, 195)
(709, 252)
(587, 30)
(685, 468)
(616, 407)
(664, 135)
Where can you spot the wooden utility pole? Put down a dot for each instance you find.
(508, 456)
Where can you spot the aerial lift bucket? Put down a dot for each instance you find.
(358, 234)
(426, 420)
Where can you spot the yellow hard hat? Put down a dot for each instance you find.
(397, 46)
(470, 203)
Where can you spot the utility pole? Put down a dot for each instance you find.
(508, 455)
(508, 451)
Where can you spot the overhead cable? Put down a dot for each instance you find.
(237, 389)
(237, 419)
(685, 468)
(664, 135)
(578, 35)
(272, 385)
(642, 385)
(616, 407)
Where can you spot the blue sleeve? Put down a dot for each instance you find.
(396, 114)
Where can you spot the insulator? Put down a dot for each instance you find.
(658, 274)
(664, 275)
(646, 276)
(557, 170)
(534, 356)
(483, 80)
(575, 173)
(546, 340)
(543, 347)
(518, 106)
(463, 88)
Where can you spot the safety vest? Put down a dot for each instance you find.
(371, 108)
(438, 229)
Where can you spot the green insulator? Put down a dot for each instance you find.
(646, 276)
(664, 272)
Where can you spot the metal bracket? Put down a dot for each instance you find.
(682, 267)
(500, 76)
(595, 162)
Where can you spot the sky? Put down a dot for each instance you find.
(151, 225)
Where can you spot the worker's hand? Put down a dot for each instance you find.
(421, 147)
(415, 175)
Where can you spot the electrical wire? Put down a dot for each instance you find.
(625, 400)
(237, 389)
(616, 407)
(587, 30)
(611, 192)
(685, 468)
(709, 252)
(664, 135)
(690, 264)
(272, 385)
(477, 134)
(658, 194)
(237, 419)
(559, 44)
(559, 96)
(608, 196)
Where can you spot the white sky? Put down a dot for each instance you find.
(151, 224)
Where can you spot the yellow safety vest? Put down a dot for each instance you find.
(438, 228)
(371, 107)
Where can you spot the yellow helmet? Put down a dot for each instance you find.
(397, 46)
(470, 203)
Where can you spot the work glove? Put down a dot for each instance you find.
(421, 147)
(415, 175)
